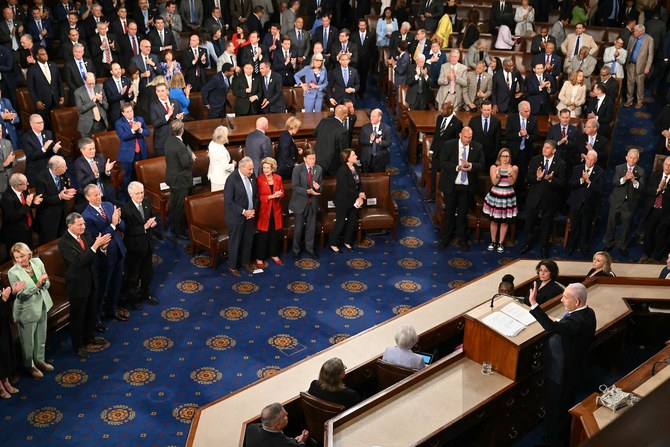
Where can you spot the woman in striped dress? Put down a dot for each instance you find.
(500, 202)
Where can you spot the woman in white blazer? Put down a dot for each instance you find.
(573, 94)
(220, 164)
(31, 307)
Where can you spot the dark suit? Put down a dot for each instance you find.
(501, 95)
(336, 50)
(584, 203)
(240, 229)
(490, 140)
(657, 227)
(90, 25)
(336, 84)
(436, 9)
(254, 24)
(333, 34)
(419, 93)
(611, 88)
(215, 95)
(458, 197)
(246, 55)
(286, 71)
(366, 56)
(347, 190)
(257, 147)
(72, 75)
(520, 156)
(243, 106)
(115, 97)
(568, 150)
(80, 284)
(375, 156)
(179, 177)
(157, 112)
(440, 139)
(41, 90)
(194, 74)
(599, 145)
(273, 93)
(565, 361)
(304, 206)
(102, 69)
(51, 212)
(139, 266)
(237, 10)
(540, 100)
(84, 176)
(82, 34)
(554, 60)
(605, 114)
(536, 43)
(138, 61)
(6, 36)
(544, 197)
(155, 39)
(67, 46)
(497, 14)
(11, 76)
(395, 40)
(32, 29)
(126, 52)
(426, 49)
(36, 159)
(331, 138)
(256, 435)
(110, 266)
(15, 219)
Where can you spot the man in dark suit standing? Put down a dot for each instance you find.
(11, 75)
(258, 145)
(75, 69)
(306, 179)
(215, 92)
(419, 93)
(140, 223)
(254, 53)
(326, 34)
(79, 252)
(39, 146)
(586, 185)
(553, 64)
(301, 42)
(104, 50)
(375, 141)
(402, 35)
(254, 20)
(129, 46)
(460, 165)
(547, 178)
(539, 42)
(508, 88)
(45, 86)
(105, 218)
(163, 112)
(40, 28)
(73, 23)
(487, 130)
(73, 37)
(522, 132)
(117, 90)
(240, 10)
(343, 82)
(431, 12)
(498, 10)
(588, 140)
(271, 87)
(565, 135)
(92, 169)
(194, 64)
(240, 196)
(565, 354)
(17, 205)
(344, 46)
(247, 91)
(54, 187)
(132, 131)
(366, 53)
(285, 62)
(331, 138)
(10, 29)
(657, 213)
(539, 88)
(601, 108)
(179, 160)
(161, 38)
(447, 127)
(147, 64)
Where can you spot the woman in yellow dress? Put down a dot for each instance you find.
(443, 32)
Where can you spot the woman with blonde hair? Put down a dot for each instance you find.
(314, 82)
(402, 354)
(330, 385)
(500, 203)
(220, 165)
(180, 92)
(602, 265)
(573, 94)
(287, 151)
(269, 220)
(31, 307)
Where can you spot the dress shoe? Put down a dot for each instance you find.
(349, 247)
(628, 103)
(429, 200)
(295, 256)
(95, 341)
(36, 373)
(100, 327)
(463, 246)
(442, 244)
(44, 366)
(335, 250)
(313, 254)
(525, 249)
(152, 300)
(137, 306)
(638, 105)
(82, 352)
(116, 316)
(544, 252)
(235, 272)
(278, 261)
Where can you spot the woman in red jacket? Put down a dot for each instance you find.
(269, 222)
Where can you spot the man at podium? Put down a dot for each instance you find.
(565, 356)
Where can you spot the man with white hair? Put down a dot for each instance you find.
(453, 79)
(54, 187)
(586, 185)
(638, 64)
(92, 107)
(419, 93)
(402, 35)
(258, 145)
(565, 356)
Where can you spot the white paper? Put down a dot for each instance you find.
(518, 313)
(503, 324)
(331, 204)
(197, 181)
(372, 201)
(164, 186)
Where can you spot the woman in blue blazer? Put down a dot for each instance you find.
(131, 135)
(314, 85)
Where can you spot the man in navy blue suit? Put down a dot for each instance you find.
(9, 121)
(104, 218)
(343, 82)
(539, 88)
(132, 131)
(10, 74)
(553, 63)
(39, 28)
(326, 34)
(45, 93)
(117, 90)
(586, 186)
(284, 62)
(92, 168)
(215, 92)
(271, 87)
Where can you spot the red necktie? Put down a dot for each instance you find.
(137, 141)
(102, 213)
(548, 59)
(125, 27)
(134, 42)
(29, 214)
(81, 243)
(562, 132)
(167, 107)
(309, 181)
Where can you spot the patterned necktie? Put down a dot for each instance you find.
(546, 165)
(102, 213)
(82, 70)
(522, 145)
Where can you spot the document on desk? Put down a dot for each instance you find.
(520, 314)
(504, 324)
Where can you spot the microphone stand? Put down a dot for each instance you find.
(499, 294)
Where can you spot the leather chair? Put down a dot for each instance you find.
(236, 152)
(107, 144)
(196, 110)
(426, 163)
(64, 125)
(288, 99)
(20, 159)
(297, 99)
(26, 106)
(207, 229)
(200, 169)
(317, 412)
(403, 119)
(151, 173)
(388, 374)
(383, 214)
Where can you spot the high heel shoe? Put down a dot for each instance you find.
(348, 247)
(335, 250)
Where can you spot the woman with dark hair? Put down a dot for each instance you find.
(385, 26)
(494, 66)
(471, 31)
(206, 42)
(169, 65)
(506, 285)
(546, 284)
(330, 385)
(506, 40)
(602, 265)
(240, 37)
(349, 198)
(218, 41)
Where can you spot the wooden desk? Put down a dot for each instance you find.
(588, 418)
(199, 133)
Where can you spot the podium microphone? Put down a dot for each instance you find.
(499, 294)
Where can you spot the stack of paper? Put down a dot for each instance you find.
(509, 321)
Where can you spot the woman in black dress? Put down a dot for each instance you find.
(349, 198)
(547, 286)
(287, 151)
(602, 265)
(7, 353)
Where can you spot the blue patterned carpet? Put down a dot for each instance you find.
(213, 333)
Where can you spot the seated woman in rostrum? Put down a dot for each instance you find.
(402, 354)
(330, 385)
(547, 286)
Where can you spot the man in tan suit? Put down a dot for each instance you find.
(480, 86)
(452, 80)
(574, 41)
(638, 64)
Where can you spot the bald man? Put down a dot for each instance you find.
(258, 145)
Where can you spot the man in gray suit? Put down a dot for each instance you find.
(92, 107)
(301, 41)
(191, 13)
(304, 204)
(258, 145)
(480, 86)
(638, 64)
(7, 158)
(624, 200)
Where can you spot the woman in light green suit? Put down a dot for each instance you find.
(31, 307)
